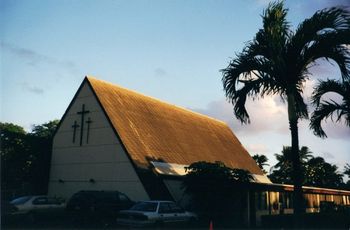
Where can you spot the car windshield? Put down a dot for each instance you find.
(20, 200)
(145, 206)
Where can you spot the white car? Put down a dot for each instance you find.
(159, 213)
(34, 207)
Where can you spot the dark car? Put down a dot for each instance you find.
(102, 206)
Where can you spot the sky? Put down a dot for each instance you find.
(168, 49)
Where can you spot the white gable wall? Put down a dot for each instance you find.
(102, 159)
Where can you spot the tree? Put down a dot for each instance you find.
(46, 130)
(347, 169)
(322, 174)
(277, 62)
(261, 160)
(347, 173)
(25, 158)
(40, 141)
(329, 107)
(282, 171)
(317, 171)
(216, 190)
(14, 161)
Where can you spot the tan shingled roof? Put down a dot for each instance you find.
(152, 129)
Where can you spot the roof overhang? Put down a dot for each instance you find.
(290, 188)
(259, 182)
(178, 170)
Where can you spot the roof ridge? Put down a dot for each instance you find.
(89, 77)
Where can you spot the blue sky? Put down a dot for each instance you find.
(170, 49)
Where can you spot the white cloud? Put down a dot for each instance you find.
(258, 148)
(266, 115)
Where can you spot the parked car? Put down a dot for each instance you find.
(148, 213)
(35, 207)
(97, 205)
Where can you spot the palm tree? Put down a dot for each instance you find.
(277, 62)
(261, 161)
(329, 107)
(286, 157)
(281, 172)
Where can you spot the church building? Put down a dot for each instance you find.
(111, 138)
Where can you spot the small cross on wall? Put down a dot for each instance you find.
(82, 113)
(88, 122)
(75, 126)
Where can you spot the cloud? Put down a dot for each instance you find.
(269, 116)
(266, 115)
(34, 58)
(160, 72)
(323, 69)
(328, 155)
(32, 89)
(257, 148)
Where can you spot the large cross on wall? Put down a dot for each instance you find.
(75, 126)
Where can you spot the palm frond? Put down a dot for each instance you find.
(254, 76)
(330, 45)
(331, 19)
(274, 21)
(324, 111)
(324, 87)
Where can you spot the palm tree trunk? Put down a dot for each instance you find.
(297, 171)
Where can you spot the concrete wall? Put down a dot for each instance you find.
(102, 159)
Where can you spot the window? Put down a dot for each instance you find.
(286, 200)
(40, 201)
(123, 198)
(338, 199)
(145, 206)
(175, 208)
(53, 201)
(311, 200)
(261, 200)
(164, 208)
(20, 200)
(274, 200)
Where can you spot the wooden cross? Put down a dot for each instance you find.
(82, 113)
(75, 126)
(88, 122)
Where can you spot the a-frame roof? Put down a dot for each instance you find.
(152, 130)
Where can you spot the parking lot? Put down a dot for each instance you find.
(64, 222)
(93, 210)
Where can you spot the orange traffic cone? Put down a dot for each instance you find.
(211, 225)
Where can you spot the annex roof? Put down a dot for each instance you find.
(152, 130)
